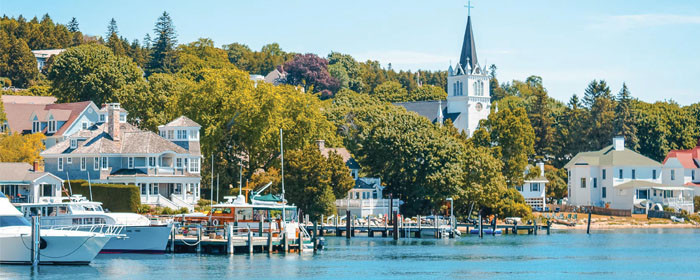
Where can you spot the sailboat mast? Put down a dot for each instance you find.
(282, 173)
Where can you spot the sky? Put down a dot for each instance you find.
(653, 46)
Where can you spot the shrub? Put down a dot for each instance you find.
(116, 198)
(669, 209)
(696, 201)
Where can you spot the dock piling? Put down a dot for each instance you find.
(535, 227)
(493, 228)
(347, 224)
(396, 226)
(269, 237)
(588, 228)
(173, 231)
(36, 240)
(481, 226)
(250, 241)
(549, 226)
(229, 239)
(199, 238)
(286, 242)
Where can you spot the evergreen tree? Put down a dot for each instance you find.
(112, 28)
(73, 25)
(625, 121)
(162, 53)
(601, 104)
(570, 130)
(21, 65)
(541, 117)
(115, 44)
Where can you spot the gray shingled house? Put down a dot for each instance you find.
(165, 166)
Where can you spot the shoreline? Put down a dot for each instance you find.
(623, 226)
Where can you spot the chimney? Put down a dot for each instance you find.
(35, 166)
(619, 143)
(321, 144)
(541, 166)
(113, 111)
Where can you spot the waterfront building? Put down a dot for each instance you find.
(682, 168)
(468, 94)
(534, 189)
(620, 178)
(165, 166)
(366, 197)
(42, 56)
(34, 114)
(24, 183)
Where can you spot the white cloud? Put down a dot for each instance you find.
(624, 22)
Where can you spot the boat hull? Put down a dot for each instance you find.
(140, 239)
(61, 247)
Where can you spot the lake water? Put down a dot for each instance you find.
(619, 254)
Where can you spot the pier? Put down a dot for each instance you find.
(229, 239)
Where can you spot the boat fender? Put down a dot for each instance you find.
(215, 222)
(42, 243)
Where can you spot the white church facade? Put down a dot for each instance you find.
(468, 99)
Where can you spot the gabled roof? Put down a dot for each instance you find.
(19, 115)
(20, 172)
(182, 121)
(429, 109)
(610, 157)
(468, 53)
(344, 153)
(688, 158)
(23, 99)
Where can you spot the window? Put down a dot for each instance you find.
(122, 117)
(182, 134)
(3, 127)
(673, 175)
(59, 166)
(178, 162)
(161, 133)
(194, 134)
(583, 183)
(52, 126)
(604, 175)
(152, 161)
(102, 117)
(194, 165)
(605, 192)
(131, 162)
(634, 174)
(653, 174)
(83, 164)
(621, 173)
(73, 143)
(642, 194)
(96, 163)
(36, 126)
(595, 182)
(170, 134)
(519, 188)
(46, 190)
(104, 163)
(85, 125)
(69, 160)
(692, 175)
(535, 187)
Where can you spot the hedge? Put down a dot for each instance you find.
(116, 198)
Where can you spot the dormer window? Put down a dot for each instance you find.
(85, 125)
(52, 126)
(102, 117)
(3, 127)
(73, 143)
(194, 134)
(182, 134)
(36, 126)
(170, 134)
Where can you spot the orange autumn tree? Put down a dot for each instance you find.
(21, 148)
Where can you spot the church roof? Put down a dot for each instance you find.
(468, 47)
(429, 109)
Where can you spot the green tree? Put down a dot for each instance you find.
(73, 25)
(93, 72)
(570, 130)
(664, 126)
(600, 125)
(19, 63)
(540, 115)
(391, 92)
(428, 92)
(162, 54)
(557, 188)
(625, 121)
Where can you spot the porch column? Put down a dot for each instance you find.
(183, 192)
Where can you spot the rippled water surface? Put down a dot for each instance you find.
(620, 254)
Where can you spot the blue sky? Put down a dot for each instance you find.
(654, 46)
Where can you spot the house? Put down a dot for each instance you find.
(534, 189)
(33, 114)
(468, 99)
(366, 197)
(42, 56)
(165, 166)
(619, 178)
(24, 183)
(683, 169)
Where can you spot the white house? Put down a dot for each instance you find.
(42, 56)
(620, 178)
(24, 183)
(468, 99)
(534, 190)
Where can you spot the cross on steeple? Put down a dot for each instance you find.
(469, 8)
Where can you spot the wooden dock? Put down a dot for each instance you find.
(203, 239)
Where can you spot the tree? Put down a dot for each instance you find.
(310, 72)
(570, 130)
(199, 55)
(511, 138)
(625, 121)
(557, 187)
(599, 101)
(541, 117)
(16, 147)
(93, 72)
(115, 44)
(73, 25)
(162, 53)
(664, 126)
(112, 28)
(391, 91)
(428, 92)
(18, 63)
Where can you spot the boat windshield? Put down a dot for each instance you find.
(10, 221)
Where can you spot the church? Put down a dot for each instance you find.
(468, 99)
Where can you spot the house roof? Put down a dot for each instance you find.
(182, 121)
(19, 172)
(633, 184)
(47, 53)
(133, 141)
(609, 156)
(688, 158)
(22, 99)
(468, 54)
(275, 77)
(19, 114)
(367, 183)
(429, 109)
(344, 153)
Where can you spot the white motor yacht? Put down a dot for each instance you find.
(142, 236)
(57, 246)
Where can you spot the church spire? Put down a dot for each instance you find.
(468, 55)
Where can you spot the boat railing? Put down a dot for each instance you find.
(96, 228)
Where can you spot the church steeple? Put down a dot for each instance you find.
(468, 55)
